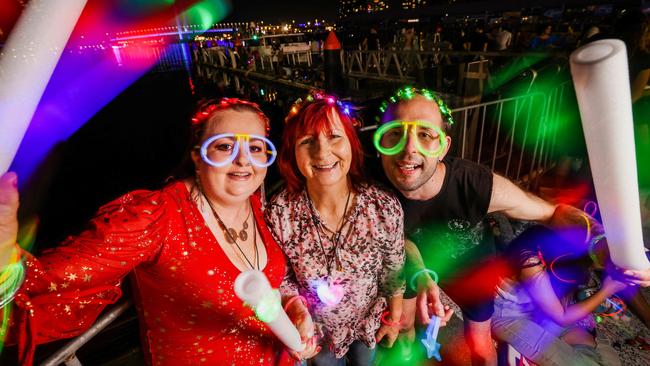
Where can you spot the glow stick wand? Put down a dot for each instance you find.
(600, 77)
(254, 289)
(27, 62)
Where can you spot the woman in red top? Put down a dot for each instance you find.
(184, 244)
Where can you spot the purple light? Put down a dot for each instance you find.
(329, 295)
(67, 103)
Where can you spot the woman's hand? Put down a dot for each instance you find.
(8, 216)
(387, 334)
(641, 278)
(299, 315)
(613, 286)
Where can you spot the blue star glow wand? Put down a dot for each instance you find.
(429, 341)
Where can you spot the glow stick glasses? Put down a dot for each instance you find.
(222, 149)
(391, 138)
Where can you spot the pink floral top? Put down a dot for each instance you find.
(370, 253)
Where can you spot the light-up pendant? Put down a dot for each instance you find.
(329, 294)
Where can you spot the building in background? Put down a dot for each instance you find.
(348, 8)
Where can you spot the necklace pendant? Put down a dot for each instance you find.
(243, 235)
(330, 292)
(231, 236)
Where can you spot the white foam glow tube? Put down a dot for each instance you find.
(602, 84)
(252, 287)
(27, 62)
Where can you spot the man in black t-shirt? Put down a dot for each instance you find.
(445, 203)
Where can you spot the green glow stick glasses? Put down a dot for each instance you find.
(391, 138)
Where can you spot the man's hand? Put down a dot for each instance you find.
(428, 301)
(299, 315)
(8, 215)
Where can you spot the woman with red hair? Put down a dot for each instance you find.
(343, 237)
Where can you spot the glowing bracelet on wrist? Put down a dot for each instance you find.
(13, 278)
(387, 322)
(416, 274)
(293, 299)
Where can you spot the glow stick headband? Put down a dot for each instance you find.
(227, 103)
(238, 138)
(314, 95)
(409, 92)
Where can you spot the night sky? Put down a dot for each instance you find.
(283, 10)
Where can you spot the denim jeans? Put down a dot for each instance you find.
(358, 355)
(544, 347)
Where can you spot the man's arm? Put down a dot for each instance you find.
(428, 298)
(515, 203)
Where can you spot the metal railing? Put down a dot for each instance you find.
(489, 138)
(67, 354)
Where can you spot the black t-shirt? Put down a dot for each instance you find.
(450, 229)
(453, 236)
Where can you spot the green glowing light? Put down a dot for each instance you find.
(268, 309)
(399, 146)
(514, 69)
(144, 6)
(11, 278)
(207, 12)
